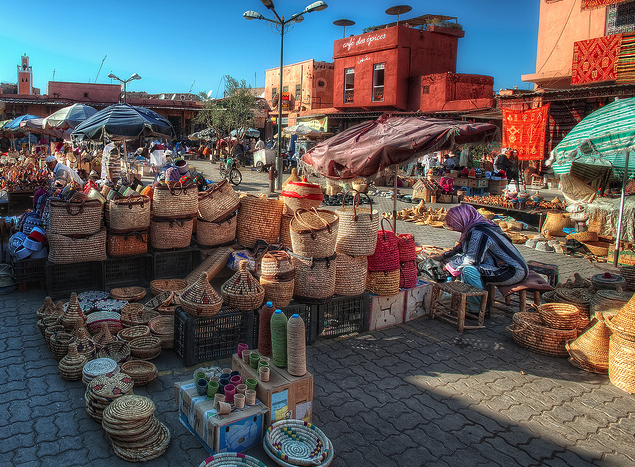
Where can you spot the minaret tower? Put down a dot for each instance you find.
(25, 77)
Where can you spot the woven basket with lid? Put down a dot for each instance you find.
(200, 298)
(242, 291)
(302, 195)
(590, 351)
(623, 323)
(73, 316)
(277, 277)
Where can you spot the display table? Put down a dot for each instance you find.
(474, 185)
(533, 214)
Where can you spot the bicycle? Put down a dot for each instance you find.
(229, 170)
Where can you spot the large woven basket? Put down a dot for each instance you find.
(302, 195)
(285, 227)
(179, 201)
(277, 277)
(258, 218)
(80, 249)
(529, 332)
(200, 298)
(297, 443)
(145, 348)
(555, 222)
(214, 233)
(597, 248)
(128, 244)
(559, 315)
(621, 358)
(129, 213)
(79, 216)
(357, 233)
(314, 232)
(243, 291)
(383, 282)
(314, 277)
(386, 254)
(171, 233)
(350, 278)
(590, 351)
(218, 202)
(608, 302)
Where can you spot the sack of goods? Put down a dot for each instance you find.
(75, 232)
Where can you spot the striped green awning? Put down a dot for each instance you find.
(600, 138)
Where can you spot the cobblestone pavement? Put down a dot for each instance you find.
(415, 394)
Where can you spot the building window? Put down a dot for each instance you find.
(378, 82)
(285, 89)
(620, 18)
(85, 94)
(274, 91)
(349, 84)
(426, 89)
(298, 92)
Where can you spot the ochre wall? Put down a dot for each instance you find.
(452, 91)
(75, 91)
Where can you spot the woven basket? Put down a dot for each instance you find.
(583, 236)
(160, 286)
(130, 213)
(408, 273)
(555, 222)
(135, 314)
(242, 291)
(130, 294)
(140, 371)
(621, 358)
(383, 282)
(67, 250)
(628, 273)
(314, 277)
(608, 302)
(128, 244)
(386, 254)
(258, 218)
(607, 281)
(163, 328)
(559, 315)
(314, 233)
(145, 348)
(178, 201)
(103, 337)
(231, 459)
(302, 195)
(128, 334)
(277, 277)
(215, 233)
(597, 248)
(200, 298)
(590, 351)
(623, 322)
(79, 216)
(350, 276)
(119, 351)
(297, 443)
(218, 202)
(171, 233)
(285, 228)
(529, 332)
(357, 234)
(361, 187)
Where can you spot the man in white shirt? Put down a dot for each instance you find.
(62, 172)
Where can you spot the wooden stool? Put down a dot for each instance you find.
(549, 270)
(534, 283)
(456, 311)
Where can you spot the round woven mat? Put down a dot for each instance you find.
(156, 449)
(99, 366)
(130, 408)
(111, 385)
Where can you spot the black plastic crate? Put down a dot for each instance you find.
(210, 338)
(29, 270)
(127, 271)
(63, 279)
(308, 313)
(343, 315)
(175, 264)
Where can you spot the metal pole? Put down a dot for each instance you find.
(279, 154)
(623, 198)
(124, 93)
(394, 205)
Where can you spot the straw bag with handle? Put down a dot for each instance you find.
(128, 244)
(65, 249)
(171, 233)
(218, 202)
(258, 218)
(314, 277)
(350, 277)
(175, 201)
(386, 255)
(357, 234)
(214, 233)
(314, 232)
(79, 216)
(129, 213)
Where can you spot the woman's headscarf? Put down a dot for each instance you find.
(463, 217)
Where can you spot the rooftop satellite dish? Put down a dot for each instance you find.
(173, 97)
(162, 96)
(209, 94)
(344, 23)
(398, 10)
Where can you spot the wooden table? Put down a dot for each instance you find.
(540, 213)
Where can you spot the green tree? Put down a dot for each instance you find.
(235, 111)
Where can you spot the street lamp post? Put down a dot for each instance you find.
(282, 24)
(124, 82)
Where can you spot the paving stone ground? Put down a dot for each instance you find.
(415, 394)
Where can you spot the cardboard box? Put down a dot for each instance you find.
(386, 311)
(626, 257)
(286, 396)
(237, 431)
(417, 300)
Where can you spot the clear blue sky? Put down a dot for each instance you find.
(174, 44)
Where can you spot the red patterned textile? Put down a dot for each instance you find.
(525, 130)
(592, 4)
(595, 60)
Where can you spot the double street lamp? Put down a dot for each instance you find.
(282, 25)
(124, 82)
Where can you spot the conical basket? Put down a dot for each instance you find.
(242, 291)
(73, 315)
(200, 298)
(590, 351)
(623, 323)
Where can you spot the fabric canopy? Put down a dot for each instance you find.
(14, 124)
(69, 117)
(369, 147)
(302, 130)
(121, 122)
(36, 125)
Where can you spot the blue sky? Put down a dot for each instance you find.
(176, 46)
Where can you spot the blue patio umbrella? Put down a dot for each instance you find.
(14, 124)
